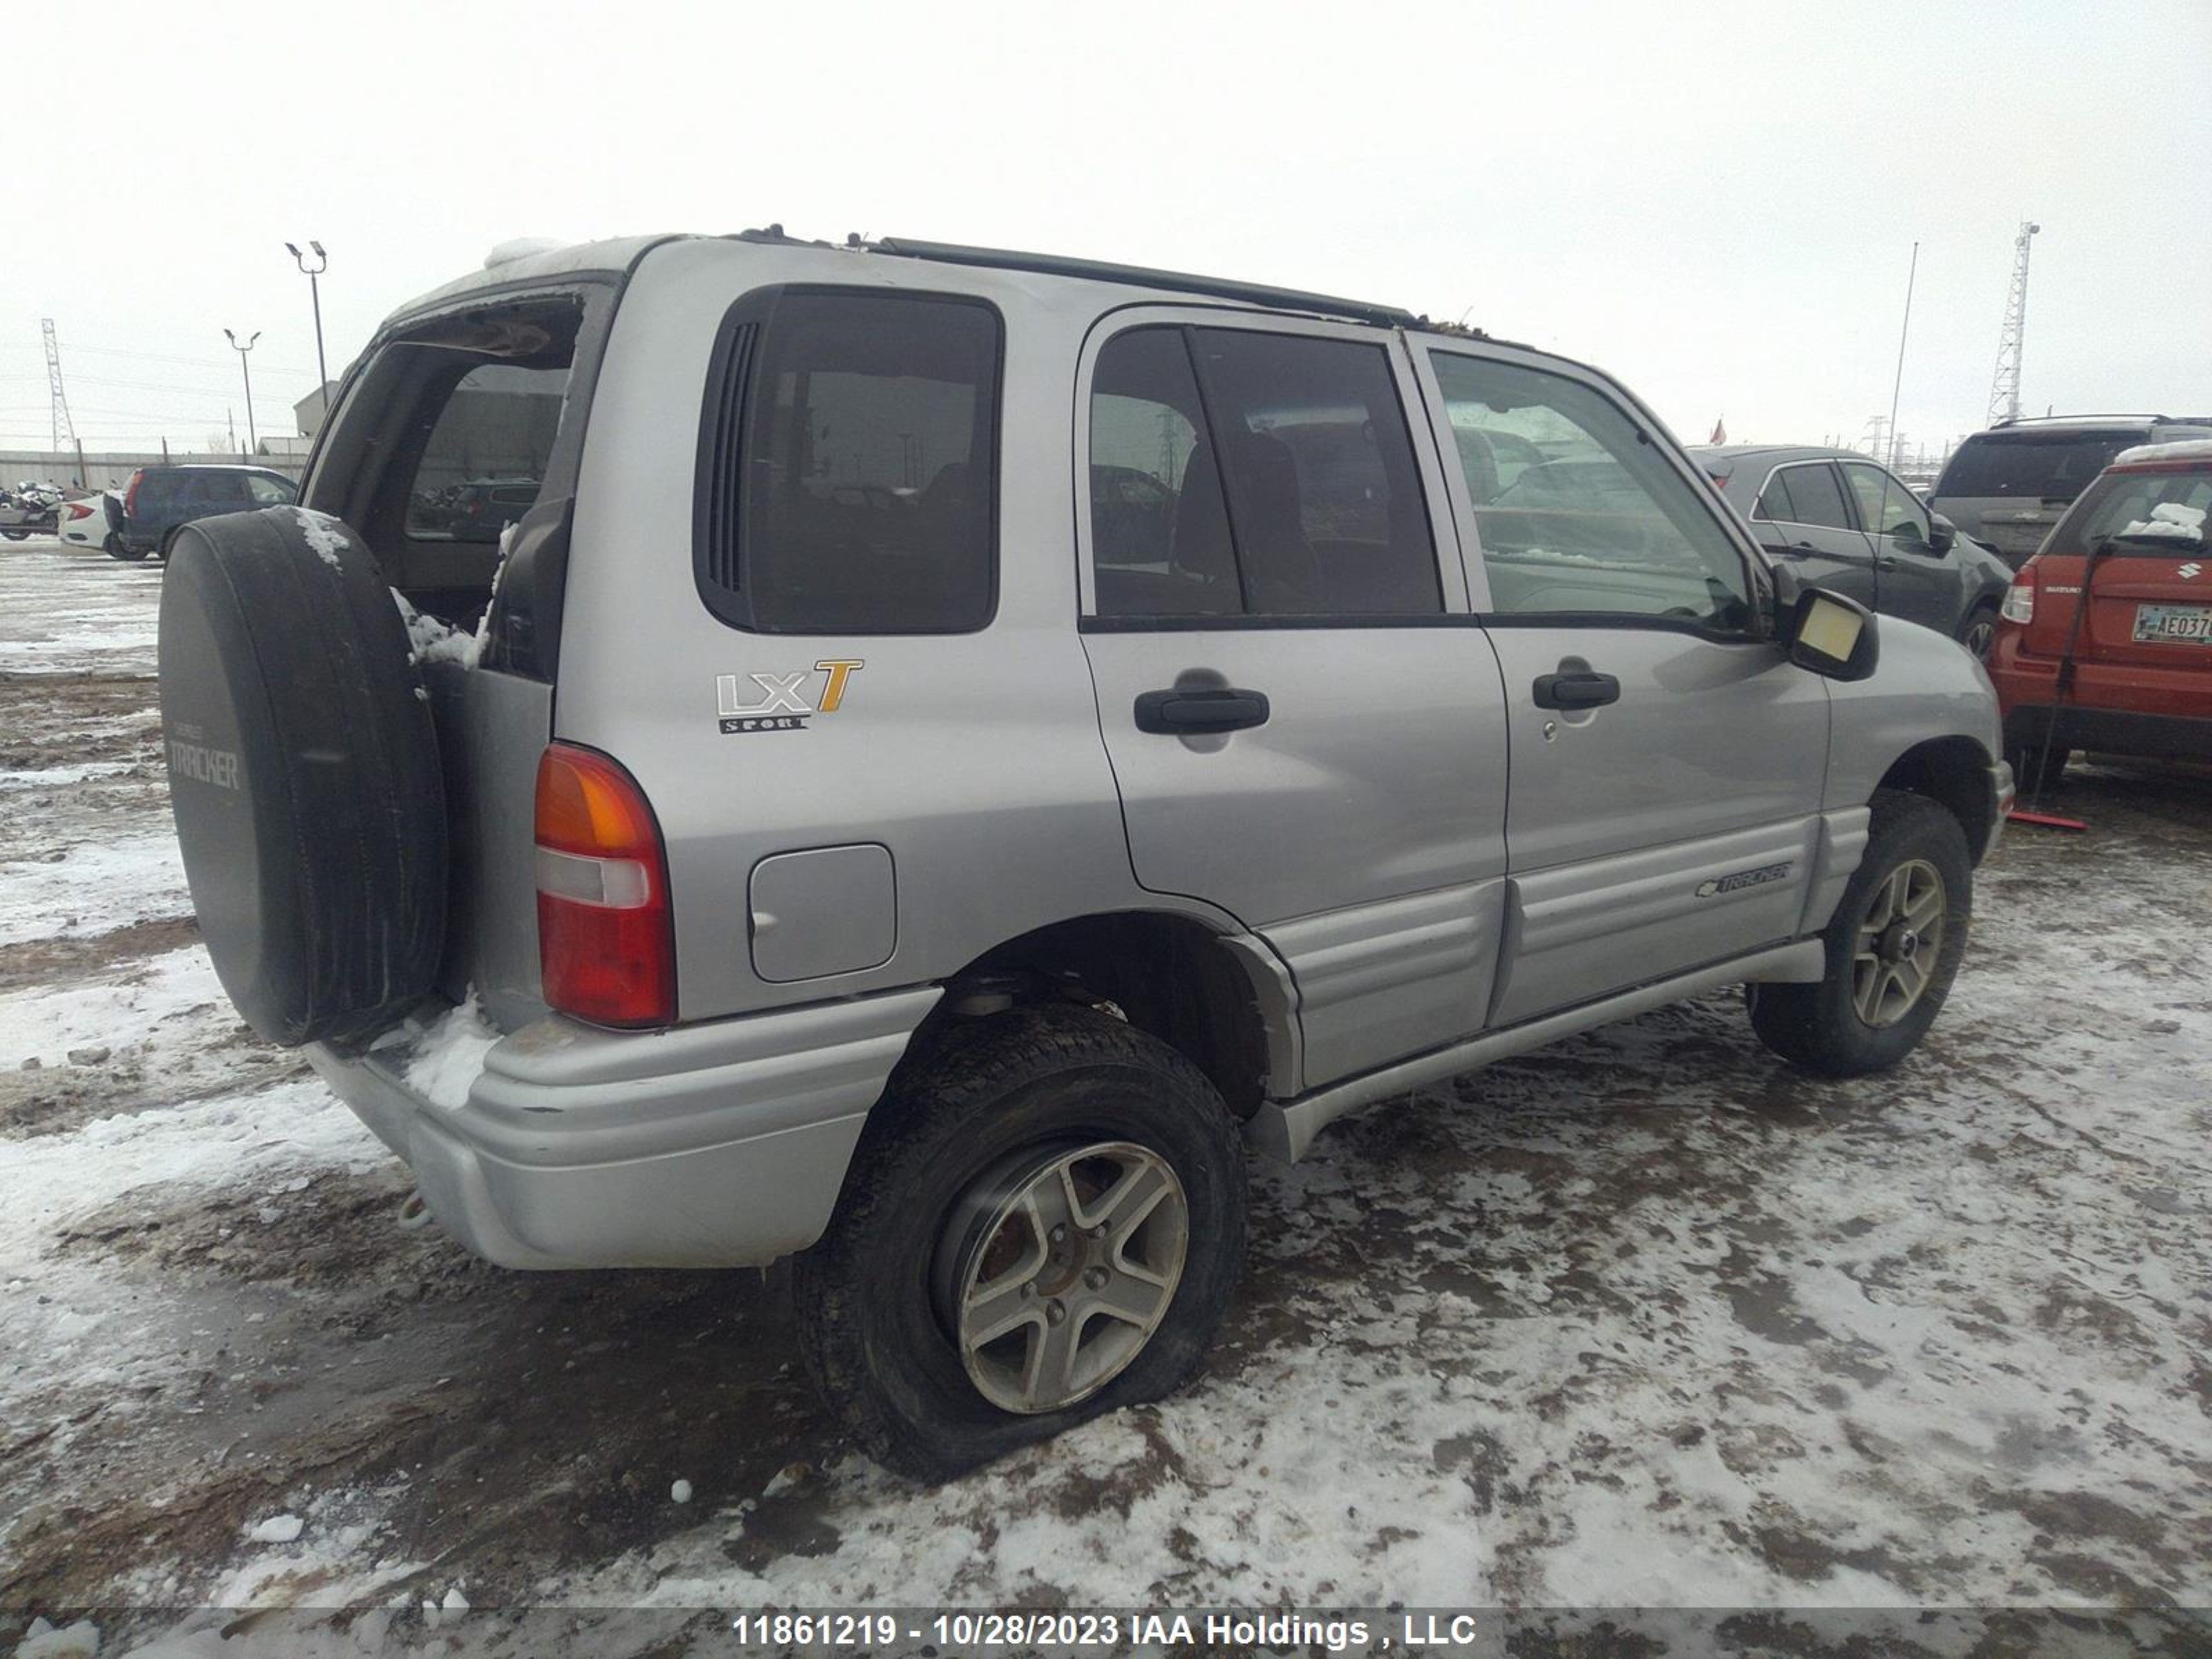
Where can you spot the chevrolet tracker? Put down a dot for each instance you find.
(952, 743)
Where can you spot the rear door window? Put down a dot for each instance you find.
(1256, 472)
(848, 465)
(1805, 495)
(1160, 524)
(205, 493)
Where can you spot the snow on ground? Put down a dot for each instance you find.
(63, 618)
(1643, 1319)
(92, 889)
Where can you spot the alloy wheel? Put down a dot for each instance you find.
(1057, 1268)
(1899, 939)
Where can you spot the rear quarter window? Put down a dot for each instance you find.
(847, 471)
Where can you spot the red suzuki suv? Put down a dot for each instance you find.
(2105, 641)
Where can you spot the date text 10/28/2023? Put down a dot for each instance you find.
(1071, 1631)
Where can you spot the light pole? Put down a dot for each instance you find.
(243, 369)
(315, 293)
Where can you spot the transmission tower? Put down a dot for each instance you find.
(2004, 389)
(65, 429)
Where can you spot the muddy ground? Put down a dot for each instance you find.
(1645, 1319)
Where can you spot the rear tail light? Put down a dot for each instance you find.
(79, 510)
(605, 941)
(131, 494)
(2019, 598)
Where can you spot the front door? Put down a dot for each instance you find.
(1667, 762)
(1305, 726)
(1914, 580)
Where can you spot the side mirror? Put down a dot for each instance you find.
(1828, 635)
(1943, 534)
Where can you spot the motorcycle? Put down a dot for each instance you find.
(29, 510)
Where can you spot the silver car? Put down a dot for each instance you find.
(962, 741)
(1847, 524)
(2006, 487)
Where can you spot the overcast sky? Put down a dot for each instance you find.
(1718, 203)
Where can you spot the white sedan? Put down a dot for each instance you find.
(92, 522)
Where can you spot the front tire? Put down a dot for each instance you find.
(1043, 1222)
(1892, 948)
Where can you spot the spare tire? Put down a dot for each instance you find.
(304, 773)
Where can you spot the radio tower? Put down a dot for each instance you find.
(65, 429)
(2004, 389)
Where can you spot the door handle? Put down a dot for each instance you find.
(1887, 561)
(1185, 710)
(1575, 691)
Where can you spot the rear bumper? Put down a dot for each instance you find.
(718, 1145)
(2110, 731)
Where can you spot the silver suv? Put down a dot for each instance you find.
(958, 736)
(2007, 486)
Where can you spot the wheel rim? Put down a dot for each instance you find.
(1979, 636)
(1062, 1266)
(1900, 939)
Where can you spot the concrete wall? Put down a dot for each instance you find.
(112, 469)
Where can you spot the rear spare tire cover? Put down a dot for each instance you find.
(304, 773)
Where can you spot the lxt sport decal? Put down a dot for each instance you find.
(1743, 878)
(783, 705)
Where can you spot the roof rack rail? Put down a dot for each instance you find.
(1061, 265)
(2094, 414)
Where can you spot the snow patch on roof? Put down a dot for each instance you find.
(2188, 449)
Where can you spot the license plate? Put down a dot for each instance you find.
(2160, 622)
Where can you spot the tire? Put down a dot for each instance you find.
(1979, 631)
(1824, 1028)
(168, 541)
(304, 774)
(115, 548)
(16, 535)
(879, 1297)
(2036, 771)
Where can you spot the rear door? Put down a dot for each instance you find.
(1667, 763)
(1305, 727)
(1802, 519)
